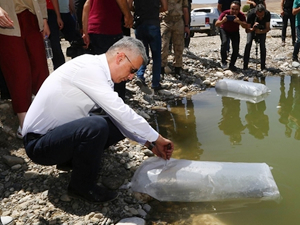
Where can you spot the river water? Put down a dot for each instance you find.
(209, 127)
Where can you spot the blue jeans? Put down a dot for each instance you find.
(151, 37)
(297, 44)
(80, 142)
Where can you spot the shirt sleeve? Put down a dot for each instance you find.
(94, 82)
(268, 16)
(43, 8)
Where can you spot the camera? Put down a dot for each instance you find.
(230, 17)
(136, 21)
(259, 26)
(77, 49)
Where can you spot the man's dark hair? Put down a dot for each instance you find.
(260, 8)
(236, 3)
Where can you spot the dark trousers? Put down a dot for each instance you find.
(261, 38)
(58, 56)
(297, 44)
(288, 16)
(100, 44)
(78, 5)
(235, 42)
(3, 87)
(81, 141)
(69, 30)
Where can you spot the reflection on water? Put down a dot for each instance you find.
(289, 106)
(210, 127)
(257, 121)
(230, 122)
(179, 124)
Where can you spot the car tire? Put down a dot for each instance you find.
(214, 30)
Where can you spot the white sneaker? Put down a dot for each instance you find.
(6, 220)
(19, 135)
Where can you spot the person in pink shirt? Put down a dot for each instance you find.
(102, 27)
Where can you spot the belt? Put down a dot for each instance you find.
(172, 18)
(31, 136)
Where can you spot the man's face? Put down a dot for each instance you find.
(234, 9)
(260, 15)
(129, 65)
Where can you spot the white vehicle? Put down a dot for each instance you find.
(276, 21)
(203, 21)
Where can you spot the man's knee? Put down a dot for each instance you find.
(96, 125)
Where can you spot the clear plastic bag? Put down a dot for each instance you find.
(241, 87)
(196, 181)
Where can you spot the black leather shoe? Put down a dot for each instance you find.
(97, 195)
(143, 86)
(67, 166)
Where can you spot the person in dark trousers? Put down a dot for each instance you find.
(229, 23)
(222, 6)
(59, 127)
(287, 14)
(55, 24)
(148, 31)
(296, 10)
(258, 21)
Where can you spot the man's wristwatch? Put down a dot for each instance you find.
(150, 145)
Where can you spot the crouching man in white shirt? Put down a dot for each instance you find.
(59, 128)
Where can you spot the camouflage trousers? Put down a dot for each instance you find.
(174, 30)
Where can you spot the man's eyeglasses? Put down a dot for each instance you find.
(133, 70)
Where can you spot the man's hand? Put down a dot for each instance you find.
(60, 23)
(46, 31)
(163, 148)
(237, 20)
(128, 21)
(5, 20)
(86, 40)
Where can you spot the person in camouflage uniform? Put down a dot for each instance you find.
(175, 24)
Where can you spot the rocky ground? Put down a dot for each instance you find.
(34, 194)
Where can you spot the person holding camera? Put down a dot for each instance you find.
(258, 21)
(229, 22)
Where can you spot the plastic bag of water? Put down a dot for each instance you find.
(197, 181)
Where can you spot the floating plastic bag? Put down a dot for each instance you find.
(196, 181)
(241, 87)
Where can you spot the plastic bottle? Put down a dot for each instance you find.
(49, 53)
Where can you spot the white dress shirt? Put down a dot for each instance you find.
(73, 89)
